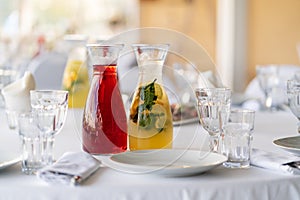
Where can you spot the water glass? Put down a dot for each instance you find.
(35, 133)
(210, 101)
(237, 130)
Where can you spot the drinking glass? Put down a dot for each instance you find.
(35, 131)
(51, 102)
(210, 101)
(293, 93)
(236, 137)
(268, 79)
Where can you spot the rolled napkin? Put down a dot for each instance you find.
(288, 164)
(71, 169)
(17, 94)
(17, 98)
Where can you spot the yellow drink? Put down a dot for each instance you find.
(76, 81)
(150, 122)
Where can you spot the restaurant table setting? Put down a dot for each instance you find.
(111, 183)
(107, 151)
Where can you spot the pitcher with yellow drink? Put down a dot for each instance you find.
(76, 78)
(150, 120)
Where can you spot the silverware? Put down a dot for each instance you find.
(293, 167)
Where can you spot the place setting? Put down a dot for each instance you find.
(292, 144)
(36, 116)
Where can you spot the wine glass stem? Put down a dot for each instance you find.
(268, 102)
(48, 150)
(214, 143)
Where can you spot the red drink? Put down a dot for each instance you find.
(104, 120)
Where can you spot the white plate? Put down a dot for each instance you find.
(290, 144)
(166, 162)
(8, 159)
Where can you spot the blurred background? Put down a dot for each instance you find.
(238, 35)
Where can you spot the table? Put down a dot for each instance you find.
(219, 183)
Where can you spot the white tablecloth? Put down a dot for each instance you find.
(219, 183)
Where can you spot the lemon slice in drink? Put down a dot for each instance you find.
(160, 116)
(158, 90)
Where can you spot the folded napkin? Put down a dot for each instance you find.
(72, 168)
(281, 163)
(17, 94)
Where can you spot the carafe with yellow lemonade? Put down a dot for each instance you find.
(150, 123)
(76, 78)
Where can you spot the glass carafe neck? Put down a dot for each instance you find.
(150, 59)
(105, 69)
(150, 71)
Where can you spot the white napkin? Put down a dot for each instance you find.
(72, 168)
(284, 164)
(17, 94)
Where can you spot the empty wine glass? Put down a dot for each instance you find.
(53, 102)
(268, 79)
(293, 93)
(210, 101)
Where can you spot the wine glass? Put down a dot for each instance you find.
(52, 102)
(293, 93)
(268, 79)
(210, 101)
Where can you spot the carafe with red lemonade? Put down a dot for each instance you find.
(104, 128)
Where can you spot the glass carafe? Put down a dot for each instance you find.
(104, 119)
(76, 78)
(150, 120)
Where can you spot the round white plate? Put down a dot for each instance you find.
(290, 144)
(8, 159)
(166, 162)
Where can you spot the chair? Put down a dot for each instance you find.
(48, 69)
